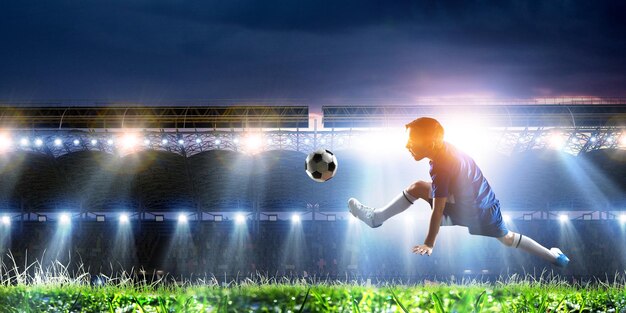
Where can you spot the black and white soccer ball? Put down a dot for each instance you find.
(321, 165)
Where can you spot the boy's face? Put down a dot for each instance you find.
(417, 145)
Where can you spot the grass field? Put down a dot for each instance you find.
(55, 289)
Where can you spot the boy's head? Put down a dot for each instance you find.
(425, 137)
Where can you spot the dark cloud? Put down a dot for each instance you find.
(311, 49)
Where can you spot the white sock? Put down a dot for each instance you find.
(529, 245)
(400, 203)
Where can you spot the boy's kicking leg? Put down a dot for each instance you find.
(515, 240)
(375, 217)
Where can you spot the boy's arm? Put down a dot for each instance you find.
(435, 221)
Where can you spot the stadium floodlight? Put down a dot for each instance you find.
(217, 141)
(58, 142)
(164, 141)
(42, 218)
(236, 140)
(272, 217)
(100, 218)
(159, 218)
(94, 142)
(556, 141)
(288, 141)
(218, 218)
(146, 141)
(592, 139)
(306, 141)
(253, 142)
(182, 218)
(506, 217)
(124, 218)
(24, 142)
(6, 220)
(563, 217)
(240, 218)
(622, 218)
(64, 219)
(198, 140)
(181, 142)
(295, 218)
(5, 141)
(129, 140)
(38, 142)
(76, 142)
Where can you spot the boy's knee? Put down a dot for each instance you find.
(419, 189)
(507, 239)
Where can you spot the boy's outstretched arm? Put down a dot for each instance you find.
(435, 221)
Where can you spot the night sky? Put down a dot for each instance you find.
(315, 51)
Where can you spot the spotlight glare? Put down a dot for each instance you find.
(295, 218)
(622, 218)
(254, 142)
(240, 219)
(563, 217)
(506, 217)
(6, 220)
(129, 141)
(5, 142)
(64, 219)
(182, 218)
(556, 141)
(123, 218)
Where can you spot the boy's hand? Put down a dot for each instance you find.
(423, 249)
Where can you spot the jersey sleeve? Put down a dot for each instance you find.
(440, 181)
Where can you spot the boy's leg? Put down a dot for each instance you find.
(375, 217)
(516, 240)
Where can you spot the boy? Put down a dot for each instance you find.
(459, 194)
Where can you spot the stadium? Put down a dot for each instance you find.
(218, 195)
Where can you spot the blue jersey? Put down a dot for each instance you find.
(455, 173)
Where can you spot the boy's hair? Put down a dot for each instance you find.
(427, 127)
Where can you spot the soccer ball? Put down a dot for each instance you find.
(321, 165)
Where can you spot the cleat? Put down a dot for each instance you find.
(362, 212)
(561, 260)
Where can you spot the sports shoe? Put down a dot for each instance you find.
(362, 212)
(561, 260)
